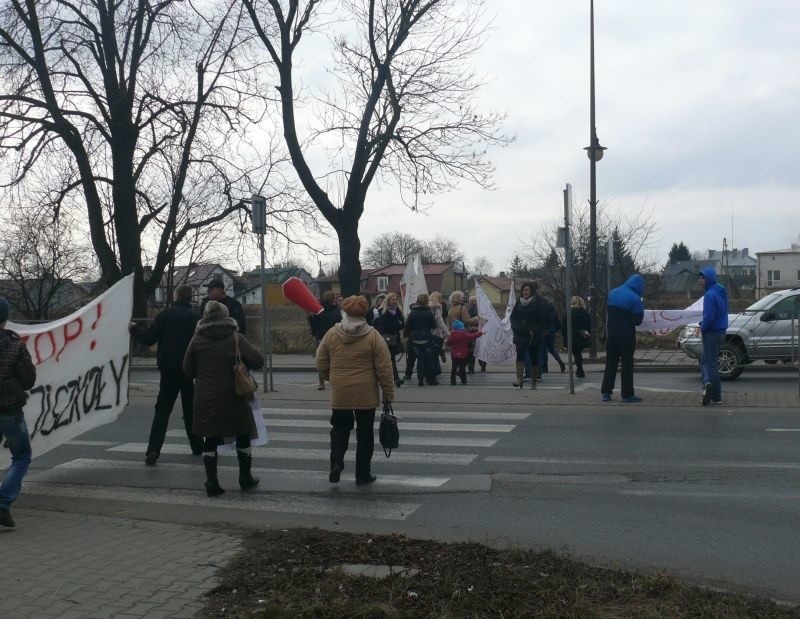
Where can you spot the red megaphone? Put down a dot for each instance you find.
(297, 292)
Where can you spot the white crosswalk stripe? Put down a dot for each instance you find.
(449, 440)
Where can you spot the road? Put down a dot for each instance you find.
(710, 494)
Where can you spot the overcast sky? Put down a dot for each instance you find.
(697, 103)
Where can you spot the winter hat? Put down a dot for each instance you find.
(355, 305)
(4, 310)
(214, 311)
(458, 325)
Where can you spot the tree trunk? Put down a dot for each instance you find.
(349, 262)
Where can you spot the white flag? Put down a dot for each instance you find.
(496, 345)
(81, 369)
(413, 283)
(661, 322)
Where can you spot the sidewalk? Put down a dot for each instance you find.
(65, 566)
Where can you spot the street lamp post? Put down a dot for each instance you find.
(595, 153)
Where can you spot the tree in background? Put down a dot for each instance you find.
(390, 248)
(519, 269)
(138, 114)
(42, 263)
(440, 250)
(632, 238)
(405, 111)
(679, 252)
(482, 266)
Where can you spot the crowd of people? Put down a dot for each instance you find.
(358, 344)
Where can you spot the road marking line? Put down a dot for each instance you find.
(783, 429)
(404, 425)
(88, 464)
(408, 439)
(94, 443)
(401, 457)
(352, 506)
(326, 414)
(702, 464)
(710, 495)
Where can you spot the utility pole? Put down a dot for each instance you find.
(259, 220)
(595, 153)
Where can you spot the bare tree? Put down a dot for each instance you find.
(143, 109)
(390, 248)
(405, 111)
(441, 249)
(42, 263)
(482, 266)
(633, 237)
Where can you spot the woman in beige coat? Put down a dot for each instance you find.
(355, 359)
(218, 411)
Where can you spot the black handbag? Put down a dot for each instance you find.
(388, 432)
(436, 343)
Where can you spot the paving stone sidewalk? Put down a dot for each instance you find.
(77, 566)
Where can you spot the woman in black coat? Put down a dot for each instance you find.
(581, 331)
(389, 324)
(527, 324)
(419, 328)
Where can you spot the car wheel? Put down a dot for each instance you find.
(730, 359)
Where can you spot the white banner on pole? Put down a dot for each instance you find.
(496, 345)
(413, 282)
(661, 322)
(81, 369)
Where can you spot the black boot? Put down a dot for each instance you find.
(339, 442)
(212, 483)
(246, 479)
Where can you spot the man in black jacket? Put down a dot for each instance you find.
(172, 329)
(17, 375)
(216, 292)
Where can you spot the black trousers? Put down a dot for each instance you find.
(619, 351)
(411, 359)
(459, 366)
(171, 384)
(577, 350)
(343, 420)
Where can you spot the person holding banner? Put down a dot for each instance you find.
(218, 411)
(172, 330)
(712, 331)
(472, 308)
(624, 311)
(527, 324)
(17, 375)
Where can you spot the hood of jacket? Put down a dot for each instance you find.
(216, 329)
(636, 283)
(710, 275)
(352, 329)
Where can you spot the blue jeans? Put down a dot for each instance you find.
(709, 365)
(15, 433)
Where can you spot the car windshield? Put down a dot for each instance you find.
(763, 303)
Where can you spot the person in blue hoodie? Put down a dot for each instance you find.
(624, 312)
(712, 330)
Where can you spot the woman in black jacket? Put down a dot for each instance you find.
(419, 328)
(581, 331)
(527, 324)
(389, 324)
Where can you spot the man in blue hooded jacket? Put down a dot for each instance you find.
(624, 312)
(712, 330)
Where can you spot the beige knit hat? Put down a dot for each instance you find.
(214, 311)
(355, 305)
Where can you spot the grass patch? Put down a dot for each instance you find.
(297, 574)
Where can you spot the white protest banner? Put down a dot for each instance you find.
(413, 282)
(661, 322)
(496, 345)
(81, 369)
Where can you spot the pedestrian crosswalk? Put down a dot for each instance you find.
(447, 442)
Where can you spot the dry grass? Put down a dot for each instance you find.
(297, 574)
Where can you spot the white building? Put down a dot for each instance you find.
(778, 270)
